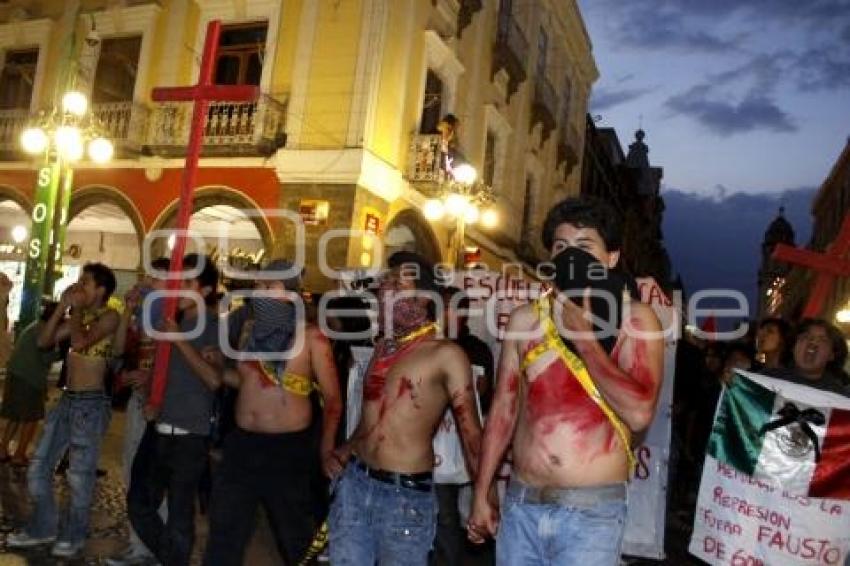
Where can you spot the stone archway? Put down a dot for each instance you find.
(221, 195)
(105, 226)
(409, 231)
(90, 195)
(9, 193)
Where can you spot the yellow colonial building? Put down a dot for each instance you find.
(344, 134)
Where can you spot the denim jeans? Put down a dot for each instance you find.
(374, 522)
(77, 424)
(556, 534)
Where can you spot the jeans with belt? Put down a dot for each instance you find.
(577, 526)
(376, 522)
(77, 424)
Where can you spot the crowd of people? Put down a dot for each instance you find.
(254, 400)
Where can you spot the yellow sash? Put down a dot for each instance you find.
(552, 341)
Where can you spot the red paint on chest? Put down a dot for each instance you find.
(555, 396)
(405, 386)
(373, 390)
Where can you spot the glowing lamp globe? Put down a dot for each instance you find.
(843, 316)
(34, 140)
(456, 204)
(472, 214)
(490, 218)
(19, 234)
(69, 143)
(101, 150)
(433, 209)
(75, 103)
(464, 174)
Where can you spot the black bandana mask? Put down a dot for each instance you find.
(575, 271)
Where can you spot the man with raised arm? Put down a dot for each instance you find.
(269, 457)
(80, 418)
(384, 509)
(568, 399)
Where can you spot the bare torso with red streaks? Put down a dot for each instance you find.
(563, 439)
(404, 399)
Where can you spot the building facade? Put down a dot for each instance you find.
(632, 186)
(344, 134)
(829, 209)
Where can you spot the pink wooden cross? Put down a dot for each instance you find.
(200, 94)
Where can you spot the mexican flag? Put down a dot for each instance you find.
(794, 437)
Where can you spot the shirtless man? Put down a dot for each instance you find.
(565, 503)
(267, 458)
(80, 419)
(384, 508)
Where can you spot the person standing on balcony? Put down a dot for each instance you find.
(448, 130)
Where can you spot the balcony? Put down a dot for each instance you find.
(544, 106)
(123, 123)
(511, 54)
(231, 128)
(423, 161)
(12, 123)
(568, 148)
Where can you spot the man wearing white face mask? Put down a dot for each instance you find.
(267, 458)
(384, 509)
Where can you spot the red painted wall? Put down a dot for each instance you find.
(152, 197)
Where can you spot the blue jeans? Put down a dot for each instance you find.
(374, 522)
(558, 534)
(77, 424)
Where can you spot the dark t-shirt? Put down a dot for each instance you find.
(829, 382)
(188, 402)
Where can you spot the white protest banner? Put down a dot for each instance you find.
(648, 487)
(775, 487)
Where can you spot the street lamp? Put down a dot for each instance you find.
(461, 198)
(61, 137)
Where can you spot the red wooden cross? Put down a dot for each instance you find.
(200, 94)
(828, 265)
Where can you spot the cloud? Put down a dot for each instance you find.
(704, 25)
(715, 243)
(822, 69)
(658, 30)
(604, 99)
(724, 117)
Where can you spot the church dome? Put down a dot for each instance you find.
(780, 230)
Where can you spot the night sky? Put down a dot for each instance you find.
(736, 96)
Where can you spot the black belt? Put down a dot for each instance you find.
(423, 481)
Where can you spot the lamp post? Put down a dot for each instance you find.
(462, 198)
(60, 137)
